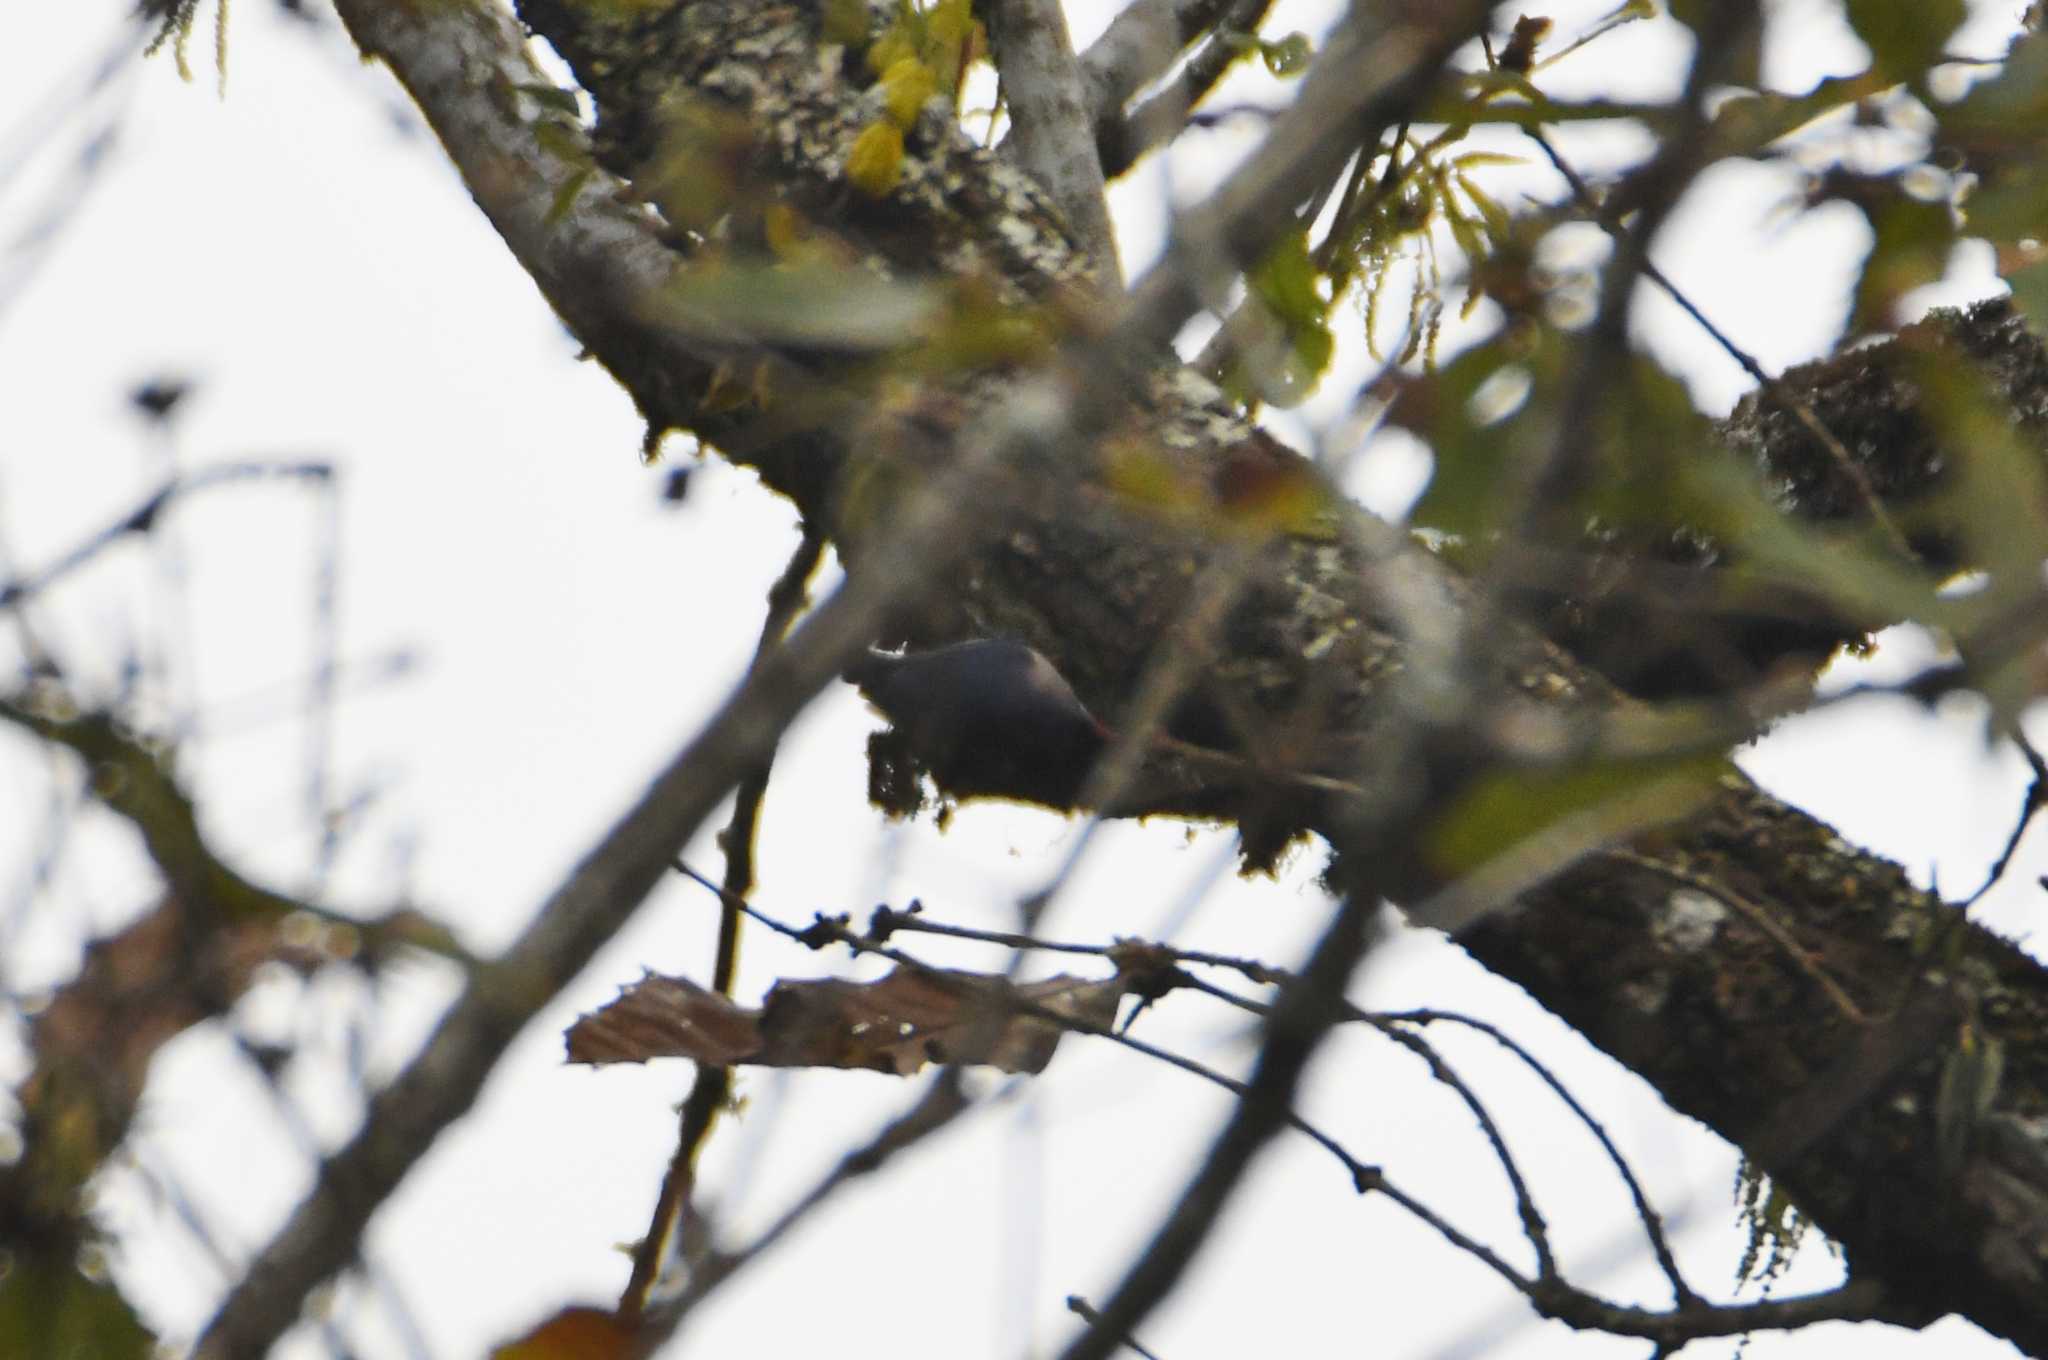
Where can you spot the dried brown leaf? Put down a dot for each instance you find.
(575, 1333)
(897, 1023)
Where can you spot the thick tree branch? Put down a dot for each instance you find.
(1050, 132)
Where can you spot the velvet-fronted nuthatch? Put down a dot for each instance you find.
(990, 717)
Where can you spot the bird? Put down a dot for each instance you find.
(988, 717)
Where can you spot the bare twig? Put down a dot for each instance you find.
(2031, 804)
(1085, 1310)
(713, 1085)
(1769, 926)
(1533, 1226)
(1652, 1221)
(1690, 1318)
(943, 1102)
(1304, 1013)
(143, 518)
(886, 922)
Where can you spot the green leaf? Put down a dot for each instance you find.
(875, 161)
(565, 195)
(1289, 282)
(1294, 291)
(1486, 415)
(1289, 56)
(1857, 571)
(2006, 204)
(1468, 414)
(1748, 125)
(1464, 229)
(1914, 239)
(1994, 496)
(2030, 295)
(49, 1308)
(552, 98)
(2014, 101)
(2000, 128)
(1905, 37)
(818, 305)
(1994, 492)
(1572, 808)
(1648, 434)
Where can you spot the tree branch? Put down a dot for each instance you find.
(1139, 46)
(1050, 132)
(1122, 139)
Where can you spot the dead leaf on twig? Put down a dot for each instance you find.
(896, 1024)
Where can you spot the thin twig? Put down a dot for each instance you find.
(1757, 916)
(143, 518)
(943, 1101)
(713, 1085)
(1085, 1310)
(1844, 461)
(1533, 1226)
(1653, 1222)
(886, 922)
(2036, 798)
(1691, 1318)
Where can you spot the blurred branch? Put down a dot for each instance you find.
(132, 777)
(142, 519)
(1085, 1311)
(943, 1102)
(1140, 45)
(673, 1211)
(1307, 1007)
(1776, 391)
(1551, 485)
(1123, 139)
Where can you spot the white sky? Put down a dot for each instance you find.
(303, 251)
